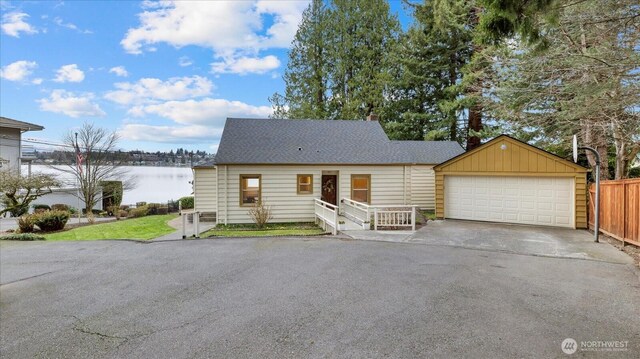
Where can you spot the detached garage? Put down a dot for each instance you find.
(506, 180)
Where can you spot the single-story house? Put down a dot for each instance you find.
(506, 180)
(289, 163)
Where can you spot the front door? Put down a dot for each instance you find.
(330, 189)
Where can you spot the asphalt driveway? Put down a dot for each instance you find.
(292, 298)
(520, 239)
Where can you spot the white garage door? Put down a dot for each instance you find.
(544, 201)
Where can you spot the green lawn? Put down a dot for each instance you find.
(270, 230)
(148, 227)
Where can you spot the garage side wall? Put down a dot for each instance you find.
(504, 156)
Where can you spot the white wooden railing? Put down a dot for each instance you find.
(356, 211)
(395, 216)
(327, 214)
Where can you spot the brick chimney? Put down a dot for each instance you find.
(372, 117)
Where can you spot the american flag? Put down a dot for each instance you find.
(79, 157)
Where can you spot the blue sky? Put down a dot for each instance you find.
(164, 75)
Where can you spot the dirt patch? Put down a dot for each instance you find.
(630, 249)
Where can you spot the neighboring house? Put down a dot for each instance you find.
(506, 180)
(12, 152)
(289, 163)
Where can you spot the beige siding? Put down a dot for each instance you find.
(423, 186)
(205, 189)
(279, 189)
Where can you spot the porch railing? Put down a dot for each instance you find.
(356, 211)
(395, 216)
(327, 214)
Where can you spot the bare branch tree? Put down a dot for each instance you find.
(94, 160)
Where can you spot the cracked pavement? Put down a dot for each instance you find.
(311, 297)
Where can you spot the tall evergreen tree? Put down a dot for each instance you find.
(428, 63)
(306, 74)
(585, 82)
(339, 61)
(362, 36)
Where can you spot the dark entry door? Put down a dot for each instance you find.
(330, 189)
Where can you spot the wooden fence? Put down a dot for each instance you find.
(619, 209)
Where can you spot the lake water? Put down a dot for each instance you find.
(152, 184)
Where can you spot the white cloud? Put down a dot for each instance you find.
(18, 71)
(37, 81)
(207, 111)
(245, 65)
(70, 104)
(185, 61)
(152, 90)
(14, 23)
(207, 24)
(71, 26)
(119, 71)
(171, 134)
(69, 73)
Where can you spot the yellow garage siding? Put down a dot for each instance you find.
(279, 189)
(422, 186)
(505, 156)
(205, 189)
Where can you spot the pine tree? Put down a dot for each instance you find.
(339, 61)
(429, 61)
(306, 74)
(362, 35)
(585, 82)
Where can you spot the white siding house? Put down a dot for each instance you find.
(289, 163)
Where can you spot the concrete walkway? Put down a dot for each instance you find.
(189, 230)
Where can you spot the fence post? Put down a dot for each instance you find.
(196, 220)
(184, 225)
(413, 219)
(625, 204)
(335, 221)
(375, 218)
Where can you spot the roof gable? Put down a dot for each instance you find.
(515, 156)
(278, 141)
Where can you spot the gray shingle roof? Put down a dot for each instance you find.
(276, 141)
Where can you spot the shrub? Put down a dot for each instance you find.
(22, 237)
(111, 193)
(260, 213)
(140, 204)
(113, 211)
(51, 220)
(39, 208)
(124, 207)
(60, 207)
(172, 206)
(187, 202)
(73, 210)
(139, 212)
(123, 214)
(163, 210)
(25, 223)
(153, 208)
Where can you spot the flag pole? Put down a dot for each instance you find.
(78, 181)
